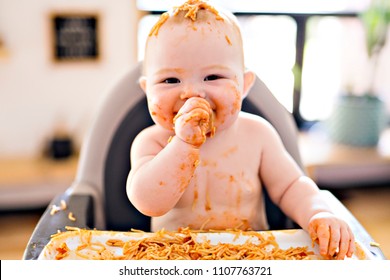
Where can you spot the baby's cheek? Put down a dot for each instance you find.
(160, 117)
(236, 106)
(228, 110)
(225, 118)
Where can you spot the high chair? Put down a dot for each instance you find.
(97, 197)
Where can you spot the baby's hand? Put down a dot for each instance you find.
(193, 121)
(334, 236)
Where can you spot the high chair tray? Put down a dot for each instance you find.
(78, 244)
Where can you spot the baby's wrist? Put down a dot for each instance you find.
(195, 142)
(186, 143)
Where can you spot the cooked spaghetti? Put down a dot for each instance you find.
(184, 245)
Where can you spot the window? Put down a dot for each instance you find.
(322, 70)
(335, 60)
(271, 52)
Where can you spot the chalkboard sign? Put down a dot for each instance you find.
(75, 37)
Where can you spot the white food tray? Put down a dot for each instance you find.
(75, 238)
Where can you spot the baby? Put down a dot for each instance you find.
(204, 163)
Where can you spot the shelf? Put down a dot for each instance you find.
(336, 165)
(32, 182)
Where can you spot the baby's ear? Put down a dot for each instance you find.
(142, 83)
(249, 80)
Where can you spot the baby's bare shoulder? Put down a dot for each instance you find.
(152, 136)
(254, 122)
(154, 132)
(256, 128)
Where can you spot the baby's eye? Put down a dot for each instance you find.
(171, 81)
(212, 78)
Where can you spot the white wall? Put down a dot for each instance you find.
(37, 93)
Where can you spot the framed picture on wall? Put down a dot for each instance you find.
(75, 37)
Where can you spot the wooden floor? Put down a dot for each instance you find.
(370, 206)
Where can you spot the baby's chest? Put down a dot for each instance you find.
(229, 181)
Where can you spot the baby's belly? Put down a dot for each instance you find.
(219, 196)
(226, 219)
(219, 208)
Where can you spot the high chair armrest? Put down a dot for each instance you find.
(74, 210)
(360, 233)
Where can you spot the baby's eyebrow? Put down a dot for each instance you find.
(216, 67)
(166, 71)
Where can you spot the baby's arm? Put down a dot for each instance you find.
(299, 197)
(159, 174)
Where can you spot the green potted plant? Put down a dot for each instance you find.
(359, 119)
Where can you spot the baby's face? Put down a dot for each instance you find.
(194, 59)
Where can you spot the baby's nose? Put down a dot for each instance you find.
(192, 93)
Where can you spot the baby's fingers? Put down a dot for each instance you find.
(351, 248)
(195, 103)
(344, 245)
(335, 240)
(347, 244)
(192, 127)
(334, 236)
(322, 233)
